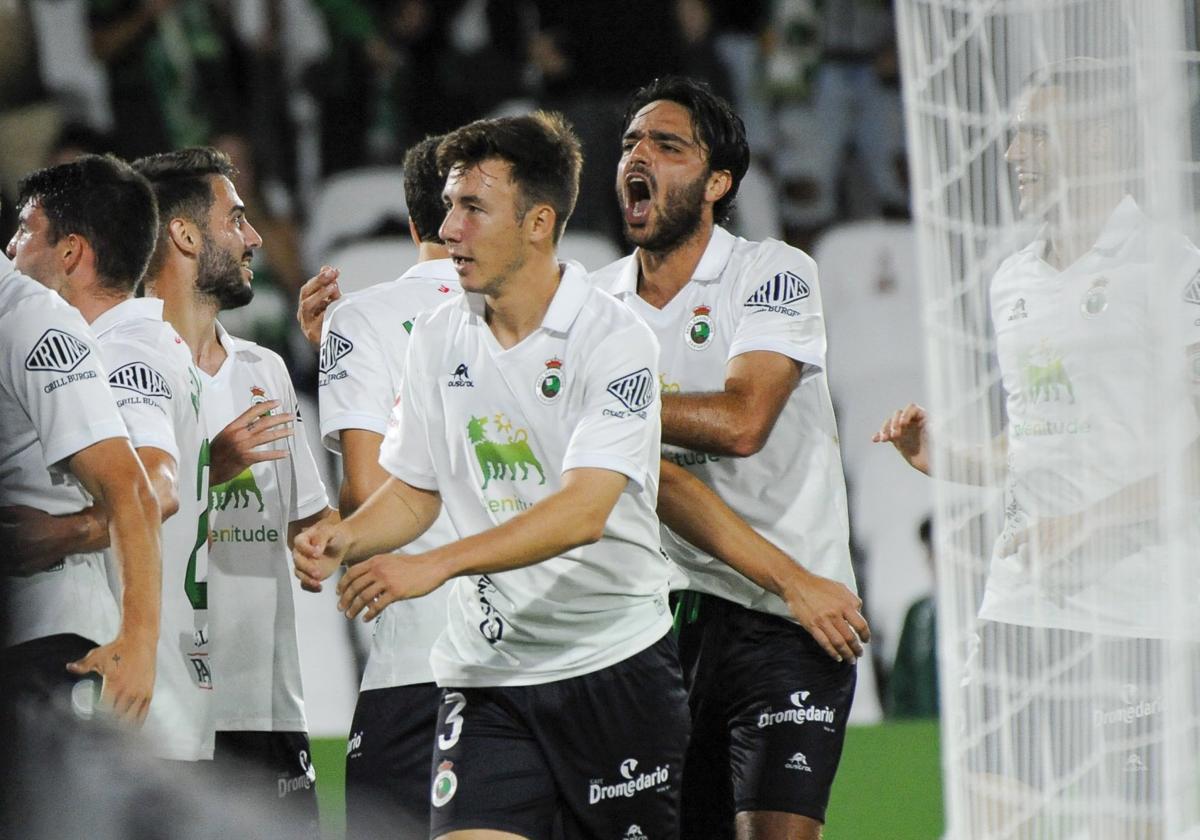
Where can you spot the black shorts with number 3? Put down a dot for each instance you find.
(599, 755)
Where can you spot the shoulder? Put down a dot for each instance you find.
(35, 322)
(248, 354)
(754, 260)
(607, 278)
(606, 320)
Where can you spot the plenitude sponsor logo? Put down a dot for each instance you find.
(632, 782)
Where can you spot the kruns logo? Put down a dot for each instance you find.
(634, 390)
(784, 288)
(140, 378)
(633, 782)
(56, 351)
(334, 349)
(800, 714)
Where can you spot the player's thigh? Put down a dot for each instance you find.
(790, 703)
(776, 825)
(489, 773)
(272, 772)
(387, 761)
(616, 741)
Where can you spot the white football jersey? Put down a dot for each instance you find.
(492, 430)
(252, 616)
(54, 402)
(157, 391)
(1096, 385)
(365, 340)
(747, 296)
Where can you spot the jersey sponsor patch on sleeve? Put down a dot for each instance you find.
(56, 351)
(140, 378)
(784, 288)
(1191, 292)
(334, 349)
(635, 390)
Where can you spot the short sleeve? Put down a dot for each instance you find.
(406, 452)
(356, 390)
(55, 372)
(145, 396)
(619, 428)
(777, 301)
(308, 495)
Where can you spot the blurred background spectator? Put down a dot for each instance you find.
(913, 688)
(309, 96)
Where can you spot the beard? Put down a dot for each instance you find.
(219, 278)
(679, 220)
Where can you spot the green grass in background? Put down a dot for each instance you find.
(888, 788)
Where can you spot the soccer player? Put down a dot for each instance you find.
(746, 409)
(1096, 400)
(265, 485)
(157, 392)
(529, 409)
(366, 336)
(65, 449)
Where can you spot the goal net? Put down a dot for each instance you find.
(1051, 147)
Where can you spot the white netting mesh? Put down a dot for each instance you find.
(1051, 151)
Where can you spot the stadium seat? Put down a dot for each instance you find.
(756, 211)
(350, 205)
(592, 250)
(369, 261)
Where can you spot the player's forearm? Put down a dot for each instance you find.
(716, 423)
(566, 520)
(692, 510)
(134, 530)
(395, 515)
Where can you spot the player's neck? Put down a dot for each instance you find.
(518, 307)
(193, 316)
(1073, 234)
(427, 251)
(661, 274)
(93, 304)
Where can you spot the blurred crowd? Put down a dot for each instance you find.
(299, 90)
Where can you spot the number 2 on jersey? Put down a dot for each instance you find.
(197, 590)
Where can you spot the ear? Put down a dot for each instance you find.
(73, 249)
(539, 222)
(719, 183)
(185, 236)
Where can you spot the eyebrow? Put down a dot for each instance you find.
(661, 136)
(236, 209)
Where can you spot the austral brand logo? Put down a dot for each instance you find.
(550, 381)
(799, 713)
(461, 377)
(798, 762)
(334, 349)
(635, 391)
(140, 378)
(445, 784)
(1044, 376)
(632, 783)
(699, 330)
(502, 460)
(784, 288)
(56, 351)
(634, 832)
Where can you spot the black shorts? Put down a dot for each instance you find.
(601, 753)
(272, 773)
(36, 671)
(387, 762)
(769, 710)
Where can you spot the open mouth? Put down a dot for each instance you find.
(246, 260)
(637, 199)
(460, 262)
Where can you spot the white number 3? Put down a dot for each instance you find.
(453, 720)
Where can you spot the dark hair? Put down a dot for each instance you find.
(423, 182)
(106, 202)
(541, 148)
(719, 129)
(182, 183)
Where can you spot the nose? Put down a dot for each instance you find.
(450, 229)
(10, 250)
(253, 239)
(1015, 152)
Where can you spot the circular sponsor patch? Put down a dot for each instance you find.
(445, 785)
(84, 696)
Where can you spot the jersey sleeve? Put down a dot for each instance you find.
(406, 452)
(145, 395)
(308, 494)
(777, 302)
(620, 425)
(55, 372)
(355, 385)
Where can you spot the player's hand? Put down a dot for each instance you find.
(374, 583)
(126, 668)
(317, 551)
(24, 532)
(236, 447)
(906, 430)
(315, 297)
(830, 612)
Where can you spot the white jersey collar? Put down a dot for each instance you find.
(1124, 221)
(432, 270)
(708, 270)
(564, 306)
(128, 310)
